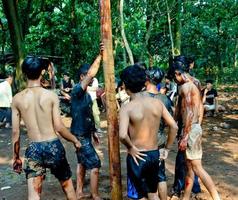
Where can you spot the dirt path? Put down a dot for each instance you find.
(220, 159)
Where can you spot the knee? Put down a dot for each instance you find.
(33, 197)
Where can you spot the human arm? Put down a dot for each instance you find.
(59, 126)
(124, 137)
(204, 95)
(93, 69)
(17, 163)
(188, 115)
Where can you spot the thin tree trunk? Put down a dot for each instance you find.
(170, 29)
(177, 41)
(10, 10)
(236, 55)
(109, 76)
(128, 49)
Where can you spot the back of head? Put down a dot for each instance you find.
(134, 78)
(83, 69)
(154, 75)
(33, 66)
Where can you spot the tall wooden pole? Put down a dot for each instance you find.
(112, 121)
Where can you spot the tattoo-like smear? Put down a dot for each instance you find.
(37, 184)
(17, 148)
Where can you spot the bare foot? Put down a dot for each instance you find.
(81, 196)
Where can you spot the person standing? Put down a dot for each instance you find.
(39, 109)
(190, 110)
(138, 130)
(83, 127)
(6, 101)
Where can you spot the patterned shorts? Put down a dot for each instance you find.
(87, 156)
(47, 154)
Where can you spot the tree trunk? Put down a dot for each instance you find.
(236, 54)
(177, 39)
(109, 76)
(170, 29)
(128, 49)
(10, 10)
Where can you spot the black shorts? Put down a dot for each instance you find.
(143, 179)
(47, 154)
(86, 155)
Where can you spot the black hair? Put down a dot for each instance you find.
(191, 59)
(209, 81)
(32, 67)
(154, 75)
(83, 69)
(134, 78)
(179, 63)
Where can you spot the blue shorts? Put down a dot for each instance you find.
(143, 179)
(47, 154)
(86, 155)
(162, 175)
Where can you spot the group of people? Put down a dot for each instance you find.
(142, 123)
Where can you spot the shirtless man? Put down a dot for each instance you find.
(190, 108)
(139, 126)
(39, 109)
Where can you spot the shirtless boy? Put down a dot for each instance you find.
(190, 109)
(139, 126)
(39, 109)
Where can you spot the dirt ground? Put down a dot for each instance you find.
(220, 158)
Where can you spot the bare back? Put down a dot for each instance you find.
(36, 107)
(144, 115)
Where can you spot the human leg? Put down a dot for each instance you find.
(81, 171)
(34, 187)
(96, 114)
(68, 189)
(94, 176)
(188, 181)
(205, 178)
(179, 173)
(163, 190)
(196, 186)
(153, 196)
(162, 186)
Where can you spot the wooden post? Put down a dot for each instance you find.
(112, 121)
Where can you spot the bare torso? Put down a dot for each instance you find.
(190, 103)
(35, 108)
(144, 115)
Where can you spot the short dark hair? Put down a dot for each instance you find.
(32, 67)
(209, 81)
(134, 78)
(191, 59)
(83, 69)
(179, 63)
(154, 75)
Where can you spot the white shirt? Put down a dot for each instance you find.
(93, 89)
(5, 95)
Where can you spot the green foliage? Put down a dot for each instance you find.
(71, 29)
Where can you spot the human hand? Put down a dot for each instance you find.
(163, 153)
(136, 154)
(17, 165)
(96, 139)
(77, 144)
(68, 97)
(183, 143)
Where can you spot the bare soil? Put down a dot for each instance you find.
(220, 158)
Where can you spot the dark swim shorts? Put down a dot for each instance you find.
(87, 156)
(47, 154)
(143, 179)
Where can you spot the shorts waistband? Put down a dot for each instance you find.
(45, 141)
